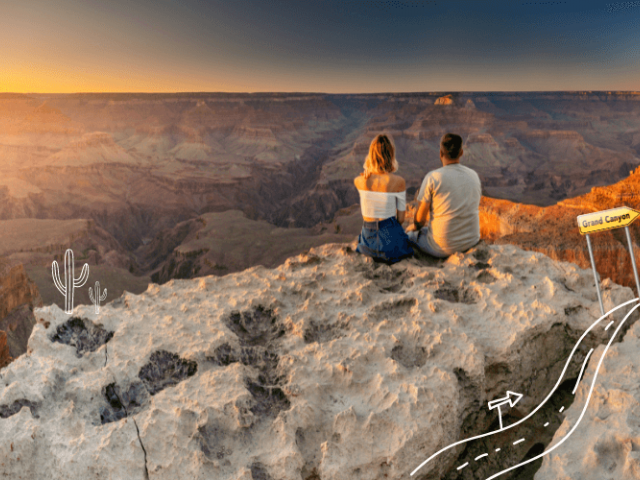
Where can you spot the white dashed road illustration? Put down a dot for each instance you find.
(507, 439)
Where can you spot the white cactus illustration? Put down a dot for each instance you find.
(96, 298)
(70, 283)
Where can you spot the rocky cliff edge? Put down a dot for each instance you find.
(330, 366)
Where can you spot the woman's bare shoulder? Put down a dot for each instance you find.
(399, 185)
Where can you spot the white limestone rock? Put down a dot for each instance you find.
(606, 443)
(330, 366)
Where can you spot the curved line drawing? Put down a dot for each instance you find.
(593, 325)
(584, 409)
(584, 364)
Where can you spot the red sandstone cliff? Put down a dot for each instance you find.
(5, 357)
(18, 296)
(554, 230)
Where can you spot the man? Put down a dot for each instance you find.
(451, 195)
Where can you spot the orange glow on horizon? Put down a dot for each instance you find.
(60, 81)
(47, 79)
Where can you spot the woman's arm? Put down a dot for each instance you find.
(400, 214)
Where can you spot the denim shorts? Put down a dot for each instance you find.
(418, 239)
(385, 240)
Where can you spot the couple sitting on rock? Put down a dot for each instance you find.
(450, 195)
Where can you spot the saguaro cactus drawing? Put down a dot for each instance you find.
(96, 298)
(70, 283)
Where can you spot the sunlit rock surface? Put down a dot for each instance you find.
(446, 100)
(328, 367)
(606, 442)
(554, 230)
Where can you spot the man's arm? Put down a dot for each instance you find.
(421, 215)
(401, 213)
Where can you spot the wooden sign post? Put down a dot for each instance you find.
(608, 220)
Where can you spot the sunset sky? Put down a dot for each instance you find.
(332, 46)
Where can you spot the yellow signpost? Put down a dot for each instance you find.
(607, 220)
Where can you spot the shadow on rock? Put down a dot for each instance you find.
(83, 334)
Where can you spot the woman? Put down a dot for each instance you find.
(383, 203)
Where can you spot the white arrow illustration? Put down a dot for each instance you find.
(512, 398)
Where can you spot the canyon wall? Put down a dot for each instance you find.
(18, 296)
(554, 230)
(142, 168)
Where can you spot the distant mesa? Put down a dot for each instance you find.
(45, 113)
(446, 100)
(485, 138)
(94, 147)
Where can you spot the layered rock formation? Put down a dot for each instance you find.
(37, 242)
(140, 166)
(222, 243)
(446, 100)
(328, 367)
(18, 296)
(554, 230)
(5, 355)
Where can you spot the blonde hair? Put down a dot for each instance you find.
(381, 158)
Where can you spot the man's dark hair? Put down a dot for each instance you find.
(450, 145)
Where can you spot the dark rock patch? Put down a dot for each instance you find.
(123, 403)
(386, 278)
(256, 327)
(164, 369)
(455, 295)
(269, 400)
(82, 334)
(214, 441)
(409, 357)
(480, 266)
(528, 471)
(447, 294)
(482, 254)
(572, 310)
(398, 308)
(470, 295)
(323, 332)
(259, 472)
(7, 411)
(307, 260)
(486, 277)
(257, 331)
(395, 288)
(265, 361)
(223, 355)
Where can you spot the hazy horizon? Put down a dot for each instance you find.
(425, 92)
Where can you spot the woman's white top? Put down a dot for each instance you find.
(382, 204)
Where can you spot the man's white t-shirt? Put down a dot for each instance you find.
(454, 223)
